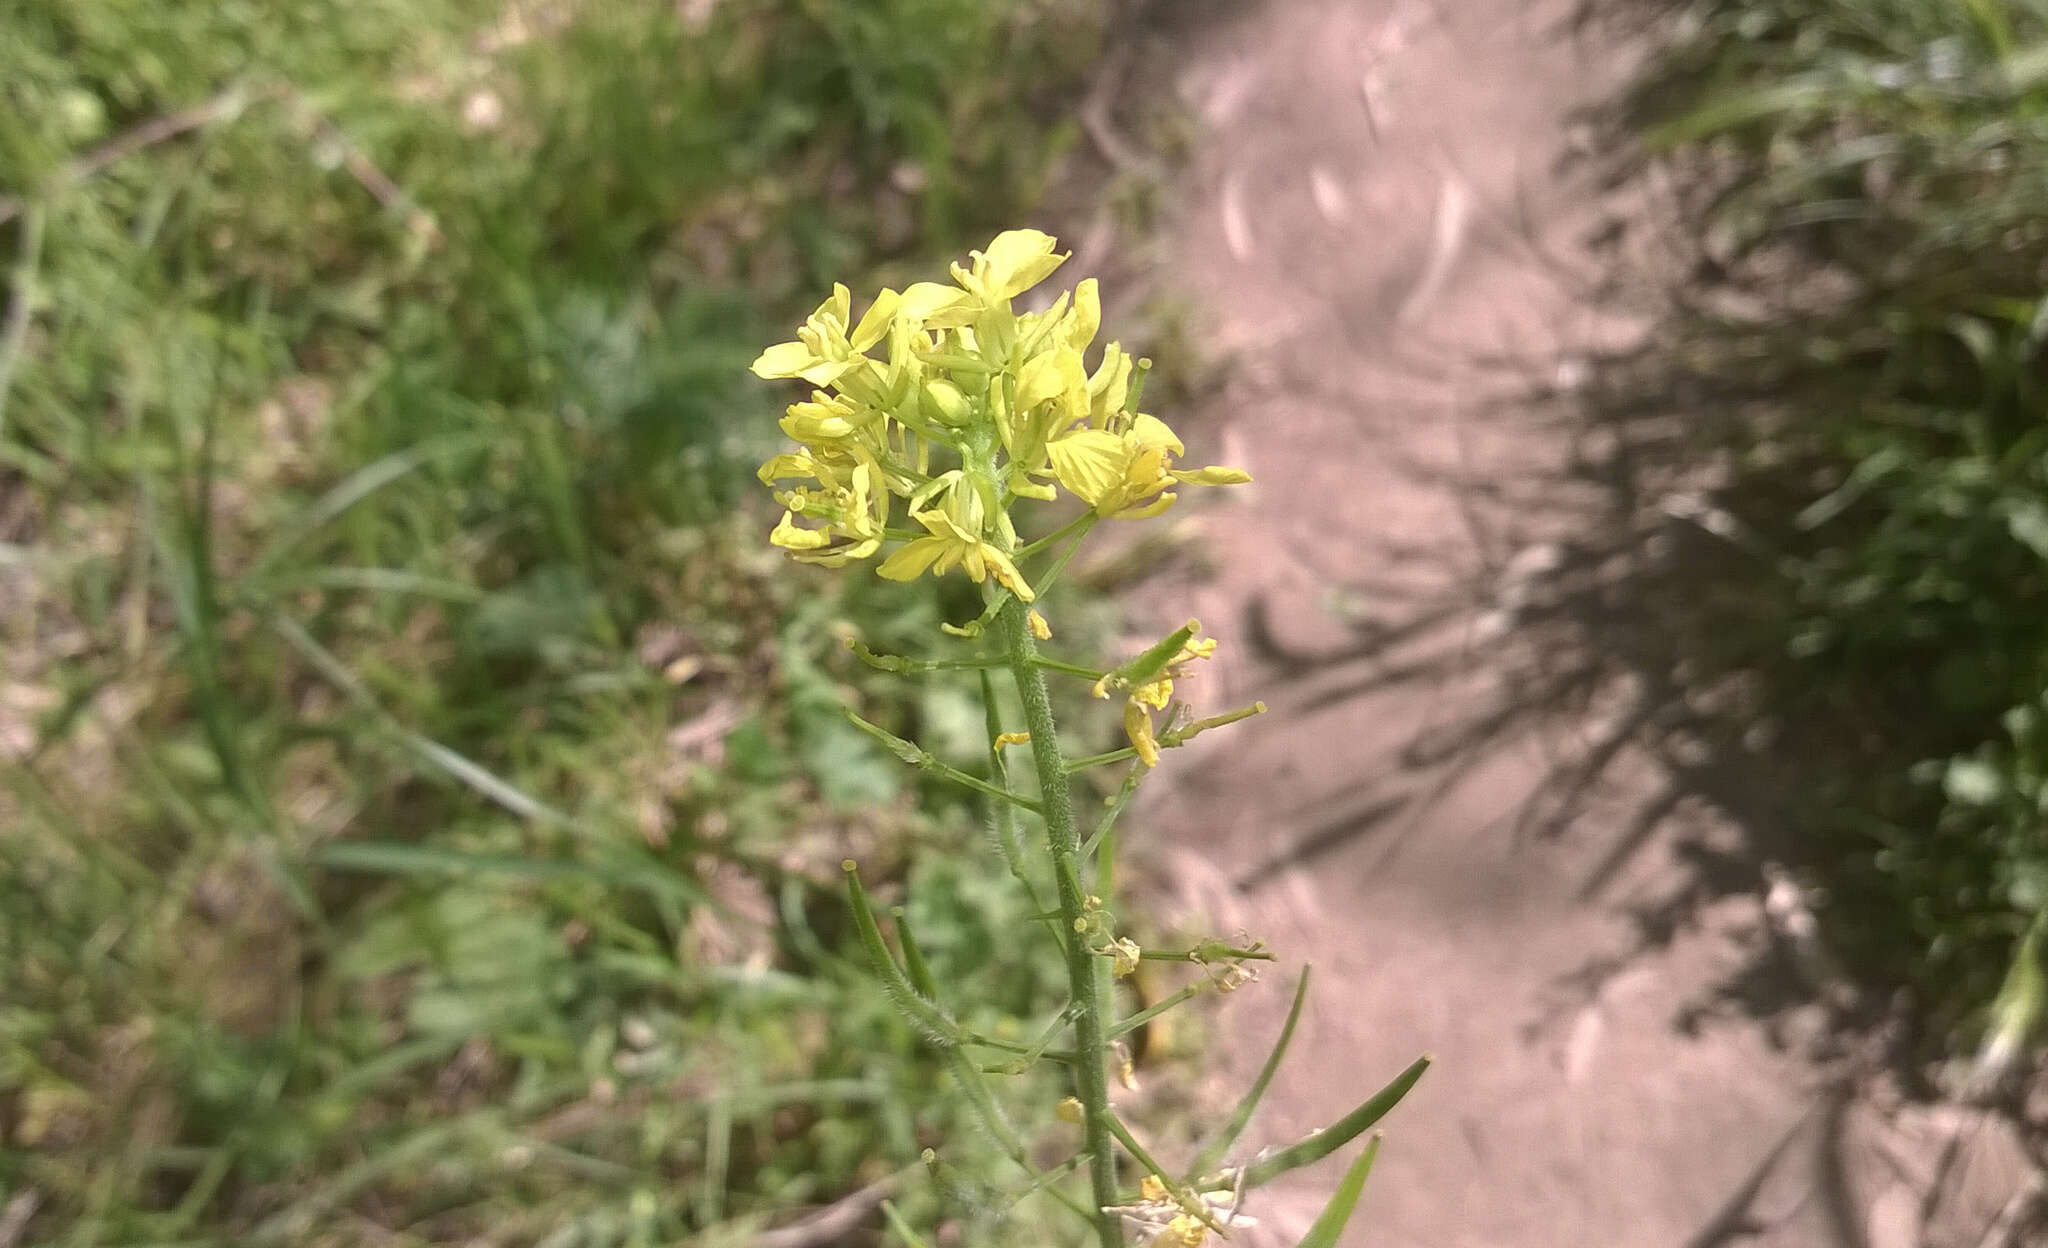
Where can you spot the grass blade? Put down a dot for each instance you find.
(1330, 1223)
(461, 767)
(390, 858)
(353, 489)
(1249, 1103)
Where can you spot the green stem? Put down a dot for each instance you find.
(1079, 524)
(1091, 1070)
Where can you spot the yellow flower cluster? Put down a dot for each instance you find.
(972, 406)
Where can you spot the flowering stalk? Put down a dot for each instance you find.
(1091, 1049)
(973, 409)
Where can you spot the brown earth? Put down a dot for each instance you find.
(1384, 230)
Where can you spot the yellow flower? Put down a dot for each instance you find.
(1039, 628)
(952, 542)
(854, 512)
(826, 348)
(1129, 474)
(1013, 263)
(826, 418)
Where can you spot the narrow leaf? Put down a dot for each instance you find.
(1337, 1134)
(913, 956)
(396, 858)
(1330, 1224)
(1242, 1115)
(929, 1019)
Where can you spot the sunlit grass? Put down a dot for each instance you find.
(419, 788)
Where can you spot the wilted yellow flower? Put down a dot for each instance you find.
(1124, 956)
(1154, 694)
(1039, 628)
(1185, 1231)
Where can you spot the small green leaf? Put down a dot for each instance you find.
(1330, 1224)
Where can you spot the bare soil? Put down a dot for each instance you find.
(1384, 230)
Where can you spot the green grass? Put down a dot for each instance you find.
(1870, 177)
(424, 789)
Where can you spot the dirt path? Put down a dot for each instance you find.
(1374, 218)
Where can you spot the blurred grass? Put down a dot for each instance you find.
(423, 788)
(1862, 367)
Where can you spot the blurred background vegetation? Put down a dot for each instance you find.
(424, 789)
(1858, 355)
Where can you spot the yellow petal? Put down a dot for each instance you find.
(791, 536)
(1154, 432)
(1086, 317)
(934, 305)
(1050, 375)
(1012, 738)
(838, 308)
(1156, 507)
(838, 556)
(1005, 572)
(1155, 694)
(1138, 727)
(1039, 628)
(880, 315)
(910, 562)
(1089, 462)
(785, 467)
(816, 422)
(1109, 386)
(784, 359)
(1015, 261)
(1212, 475)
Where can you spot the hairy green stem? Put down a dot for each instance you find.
(1091, 1070)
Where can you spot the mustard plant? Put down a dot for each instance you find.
(945, 399)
